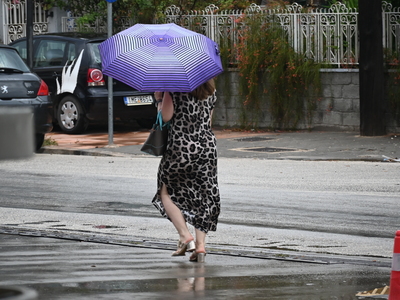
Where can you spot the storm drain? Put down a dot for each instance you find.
(269, 149)
(261, 149)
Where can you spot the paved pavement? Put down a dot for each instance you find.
(300, 145)
(61, 265)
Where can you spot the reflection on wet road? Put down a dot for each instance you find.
(60, 269)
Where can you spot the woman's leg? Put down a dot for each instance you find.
(200, 241)
(175, 216)
(199, 254)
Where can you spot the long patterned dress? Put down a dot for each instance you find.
(188, 168)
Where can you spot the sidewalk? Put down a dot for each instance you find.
(299, 145)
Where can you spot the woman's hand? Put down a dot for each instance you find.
(158, 95)
(159, 98)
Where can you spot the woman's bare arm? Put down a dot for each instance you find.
(167, 107)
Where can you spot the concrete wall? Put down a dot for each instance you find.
(55, 24)
(338, 107)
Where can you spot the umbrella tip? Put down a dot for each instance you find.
(217, 49)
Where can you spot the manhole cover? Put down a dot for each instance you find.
(254, 139)
(269, 149)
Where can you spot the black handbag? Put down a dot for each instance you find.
(157, 140)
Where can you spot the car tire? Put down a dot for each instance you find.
(70, 115)
(39, 139)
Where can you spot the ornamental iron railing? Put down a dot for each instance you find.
(391, 27)
(14, 19)
(325, 35)
(71, 24)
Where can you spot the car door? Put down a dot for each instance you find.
(49, 58)
(48, 61)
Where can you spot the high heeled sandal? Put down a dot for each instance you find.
(198, 257)
(183, 247)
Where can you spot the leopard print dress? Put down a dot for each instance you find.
(188, 168)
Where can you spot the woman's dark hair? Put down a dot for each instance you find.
(205, 90)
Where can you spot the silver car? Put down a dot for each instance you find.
(20, 87)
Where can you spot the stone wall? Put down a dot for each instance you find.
(338, 106)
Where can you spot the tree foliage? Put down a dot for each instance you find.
(272, 72)
(354, 3)
(144, 11)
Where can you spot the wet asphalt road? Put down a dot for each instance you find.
(317, 224)
(105, 200)
(64, 269)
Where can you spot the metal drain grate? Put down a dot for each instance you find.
(269, 149)
(254, 139)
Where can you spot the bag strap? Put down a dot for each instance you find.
(159, 120)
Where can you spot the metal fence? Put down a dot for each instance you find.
(14, 19)
(327, 35)
(71, 24)
(391, 27)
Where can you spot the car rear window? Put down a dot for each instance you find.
(95, 53)
(50, 53)
(9, 58)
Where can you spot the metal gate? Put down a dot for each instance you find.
(14, 16)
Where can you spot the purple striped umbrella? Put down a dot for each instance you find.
(161, 57)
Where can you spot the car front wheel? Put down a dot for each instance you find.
(70, 115)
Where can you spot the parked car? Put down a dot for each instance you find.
(20, 87)
(70, 64)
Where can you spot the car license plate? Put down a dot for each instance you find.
(138, 100)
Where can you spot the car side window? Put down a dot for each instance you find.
(21, 47)
(71, 55)
(50, 53)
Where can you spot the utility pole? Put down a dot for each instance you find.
(372, 95)
(29, 32)
(110, 80)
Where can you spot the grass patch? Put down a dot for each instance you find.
(48, 141)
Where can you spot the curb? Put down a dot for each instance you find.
(93, 152)
(105, 153)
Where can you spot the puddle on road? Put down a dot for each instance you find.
(69, 270)
(254, 139)
(116, 205)
(269, 149)
(107, 227)
(297, 287)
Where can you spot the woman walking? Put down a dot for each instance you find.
(187, 186)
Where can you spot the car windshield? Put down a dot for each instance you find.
(10, 59)
(95, 53)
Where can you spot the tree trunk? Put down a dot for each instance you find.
(372, 100)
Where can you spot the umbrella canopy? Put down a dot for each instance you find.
(160, 57)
